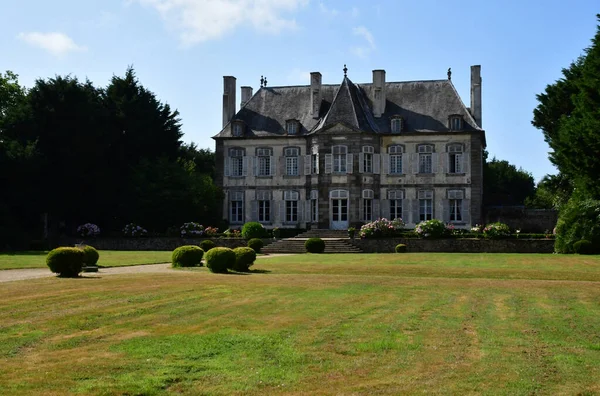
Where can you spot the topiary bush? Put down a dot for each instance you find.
(207, 244)
(187, 256)
(256, 244)
(67, 262)
(253, 229)
(583, 247)
(400, 248)
(244, 258)
(314, 245)
(433, 228)
(91, 255)
(219, 259)
(578, 219)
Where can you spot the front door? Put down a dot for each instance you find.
(339, 214)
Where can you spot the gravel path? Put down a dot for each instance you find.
(33, 273)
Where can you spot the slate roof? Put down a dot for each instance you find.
(424, 106)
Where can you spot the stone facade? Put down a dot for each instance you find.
(335, 156)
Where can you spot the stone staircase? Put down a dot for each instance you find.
(336, 241)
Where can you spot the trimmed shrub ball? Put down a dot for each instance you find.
(583, 247)
(244, 258)
(91, 255)
(314, 245)
(187, 256)
(67, 262)
(256, 244)
(252, 230)
(400, 248)
(207, 244)
(219, 259)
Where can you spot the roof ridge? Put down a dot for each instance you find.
(465, 108)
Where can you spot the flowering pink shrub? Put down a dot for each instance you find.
(496, 230)
(433, 228)
(381, 228)
(211, 231)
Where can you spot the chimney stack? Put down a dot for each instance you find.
(378, 92)
(476, 93)
(315, 93)
(228, 99)
(246, 95)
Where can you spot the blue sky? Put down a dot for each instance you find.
(180, 50)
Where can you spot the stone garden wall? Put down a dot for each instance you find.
(457, 245)
(151, 243)
(518, 217)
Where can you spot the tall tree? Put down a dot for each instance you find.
(504, 184)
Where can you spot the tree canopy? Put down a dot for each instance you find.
(504, 184)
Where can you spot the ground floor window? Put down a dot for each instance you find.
(425, 205)
(264, 211)
(237, 212)
(367, 209)
(395, 209)
(291, 206)
(455, 210)
(314, 206)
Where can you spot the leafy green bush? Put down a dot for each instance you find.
(253, 229)
(578, 219)
(187, 256)
(91, 255)
(433, 228)
(496, 230)
(583, 247)
(314, 245)
(400, 248)
(207, 244)
(256, 244)
(219, 259)
(67, 262)
(244, 258)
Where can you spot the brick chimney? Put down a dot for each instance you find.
(476, 93)
(378, 92)
(246, 95)
(315, 93)
(228, 99)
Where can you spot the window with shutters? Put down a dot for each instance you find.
(367, 159)
(263, 158)
(291, 155)
(397, 124)
(339, 158)
(367, 205)
(425, 205)
(455, 158)
(314, 206)
(425, 158)
(455, 122)
(264, 206)
(455, 201)
(395, 197)
(236, 162)
(291, 206)
(236, 207)
(395, 153)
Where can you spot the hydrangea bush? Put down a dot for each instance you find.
(134, 230)
(433, 228)
(381, 228)
(88, 230)
(191, 229)
(496, 230)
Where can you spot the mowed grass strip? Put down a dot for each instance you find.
(108, 258)
(358, 328)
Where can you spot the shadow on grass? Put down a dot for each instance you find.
(25, 253)
(260, 271)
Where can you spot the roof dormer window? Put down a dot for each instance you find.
(292, 127)
(237, 128)
(455, 122)
(397, 124)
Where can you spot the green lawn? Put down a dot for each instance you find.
(324, 324)
(108, 258)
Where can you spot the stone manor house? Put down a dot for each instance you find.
(332, 156)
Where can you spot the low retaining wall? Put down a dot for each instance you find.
(457, 245)
(152, 243)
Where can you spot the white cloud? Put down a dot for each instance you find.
(202, 20)
(328, 11)
(58, 44)
(364, 33)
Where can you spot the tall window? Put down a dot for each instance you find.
(456, 122)
(291, 206)
(314, 206)
(264, 206)
(291, 161)
(425, 158)
(236, 207)
(455, 200)
(395, 197)
(367, 205)
(339, 158)
(397, 124)
(395, 153)
(367, 159)
(292, 127)
(236, 162)
(314, 164)
(263, 158)
(425, 205)
(455, 158)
